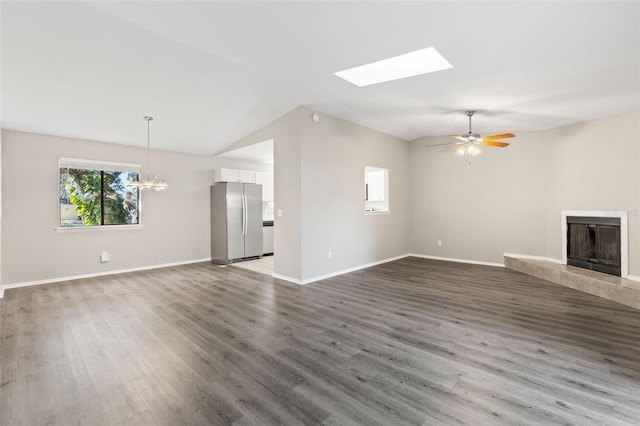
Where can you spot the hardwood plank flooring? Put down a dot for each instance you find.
(411, 342)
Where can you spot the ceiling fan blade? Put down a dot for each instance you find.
(442, 144)
(460, 138)
(502, 136)
(496, 144)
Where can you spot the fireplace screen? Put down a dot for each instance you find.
(594, 243)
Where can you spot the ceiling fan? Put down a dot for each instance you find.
(469, 142)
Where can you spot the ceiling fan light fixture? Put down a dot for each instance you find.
(473, 150)
(468, 149)
(469, 142)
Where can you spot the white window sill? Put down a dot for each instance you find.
(377, 212)
(97, 228)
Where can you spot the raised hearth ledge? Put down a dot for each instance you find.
(618, 289)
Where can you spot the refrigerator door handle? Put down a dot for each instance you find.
(244, 214)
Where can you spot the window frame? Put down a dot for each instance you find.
(102, 167)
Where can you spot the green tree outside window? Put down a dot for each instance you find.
(97, 197)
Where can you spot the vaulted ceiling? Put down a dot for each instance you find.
(213, 72)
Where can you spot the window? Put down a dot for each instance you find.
(376, 190)
(95, 193)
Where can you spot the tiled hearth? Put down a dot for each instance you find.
(610, 287)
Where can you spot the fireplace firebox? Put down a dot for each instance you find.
(594, 243)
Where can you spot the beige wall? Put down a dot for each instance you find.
(319, 184)
(594, 166)
(510, 200)
(334, 155)
(480, 210)
(1, 288)
(176, 222)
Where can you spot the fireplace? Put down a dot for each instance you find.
(596, 241)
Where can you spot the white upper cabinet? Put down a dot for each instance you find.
(232, 175)
(247, 176)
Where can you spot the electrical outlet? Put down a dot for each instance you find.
(104, 257)
(329, 255)
(279, 212)
(439, 242)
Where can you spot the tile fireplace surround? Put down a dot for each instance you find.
(618, 289)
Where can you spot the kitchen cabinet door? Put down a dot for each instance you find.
(233, 175)
(247, 176)
(227, 175)
(375, 183)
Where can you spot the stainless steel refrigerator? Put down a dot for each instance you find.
(236, 221)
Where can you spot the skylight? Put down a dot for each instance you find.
(421, 61)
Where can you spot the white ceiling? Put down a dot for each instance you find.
(261, 152)
(211, 73)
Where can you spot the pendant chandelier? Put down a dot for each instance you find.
(149, 181)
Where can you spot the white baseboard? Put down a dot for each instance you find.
(450, 259)
(97, 274)
(633, 278)
(355, 268)
(335, 274)
(528, 256)
(286, 278)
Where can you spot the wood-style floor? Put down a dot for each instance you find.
(412, 342)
